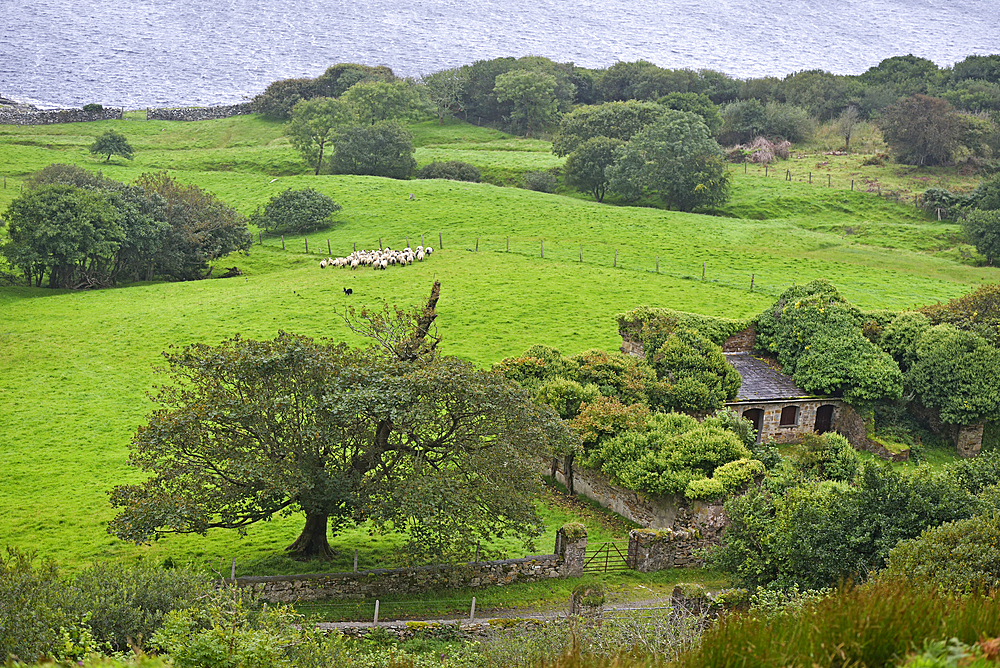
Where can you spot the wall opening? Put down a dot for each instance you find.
(824, 418)
(789, 416)
(756, 416)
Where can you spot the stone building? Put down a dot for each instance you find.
(778, 408)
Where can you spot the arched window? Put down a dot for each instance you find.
(789, 416)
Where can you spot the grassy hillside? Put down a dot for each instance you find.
(75, 366)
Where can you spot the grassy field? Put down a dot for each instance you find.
(75, 366)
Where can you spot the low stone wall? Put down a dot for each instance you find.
(198, 113)
(660, 549)
(379, 582)
(852, 426)
(17, 116)
(649, 511)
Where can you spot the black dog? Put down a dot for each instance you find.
(348, 291)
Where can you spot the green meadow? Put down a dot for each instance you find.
(75, 367)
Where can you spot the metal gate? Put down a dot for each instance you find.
(607, 557)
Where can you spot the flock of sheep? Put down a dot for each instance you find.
(378, 259)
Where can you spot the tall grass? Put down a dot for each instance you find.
(875, 625)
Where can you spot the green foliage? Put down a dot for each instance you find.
(532, 96)
(787, 122)
(454, 170)
(539, 181)
(444, 90)
(817, 336)
(93, 107)
(672, 451)
(694, 373)
(384, 149)
(737, 474)
(875, 625)
(202, 228)
(901, 336)
(566, 397)
(30, 610)
(296, 212)
(816, 93)
(125, 605)
(231, 628)
(62, 231)
(379, 101)
(698, 103)
(112, 143)
(314, 125)
(978, 311)
(606, 417)
(280, 97)
(961, 556)
(614, 120)
(586, 167)
(615, 374)
(396, 435)
(675, 160)
(736, 423)
(986, 196)
(906, 75)
(651, 325)
(828, 456)
(921, 130)
(955, 373)
(982, 230)
(819, 532)
(741, 121)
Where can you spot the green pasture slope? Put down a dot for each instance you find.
(75, 366)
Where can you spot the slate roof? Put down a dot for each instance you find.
(761, 382)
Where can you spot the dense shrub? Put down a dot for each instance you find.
(693, 373)
(986, 196)
(961, 556)
(125, 605)
(672, 451)
(384, 149)
(978, 311)
(454, 170)
(540, 181)
(830, 457)
(232, 628)
(651, 326)
(31, 610)
(296, 212)
(982, 230)
(818, 337)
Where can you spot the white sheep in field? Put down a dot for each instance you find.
(354, 263)
(420, 256)
(428, 250)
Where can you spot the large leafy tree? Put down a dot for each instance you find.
(532, 95)
(393, 433)
(921, 130)
(444, 90)
(384, 149)
(61, 231)
(616, 120)
(676, 160)
(315, 125)
(377, 101)
(982, 229)
(586, 166)
(201, 229)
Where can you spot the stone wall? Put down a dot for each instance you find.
(741, 342)
(649, 511)
(380, 582)
(652, 550)
(198, 113)
(16, 116)
(849, 423)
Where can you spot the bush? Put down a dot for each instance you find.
(986, 196)
(93, 107)
(127, 604)
(829, 456)
(231, 628)
(384, 149)
(30, 606)
(454, 170)
(961, 556)
(982, 230)
(544, 182)
(296, 212)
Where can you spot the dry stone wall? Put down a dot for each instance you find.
(18, 116)
(198, 113)
(380, 582)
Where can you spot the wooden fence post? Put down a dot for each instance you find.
(329, 250)
(355, 560)
(440, 242)
(703, 271)
(282, 242)
(508, 243)
(307, 245)
(616, 257)
(477, 244)
(542, 246)
(375, 622)
(657, 264)
(581, 252)
(472, 613)
(751, 281)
